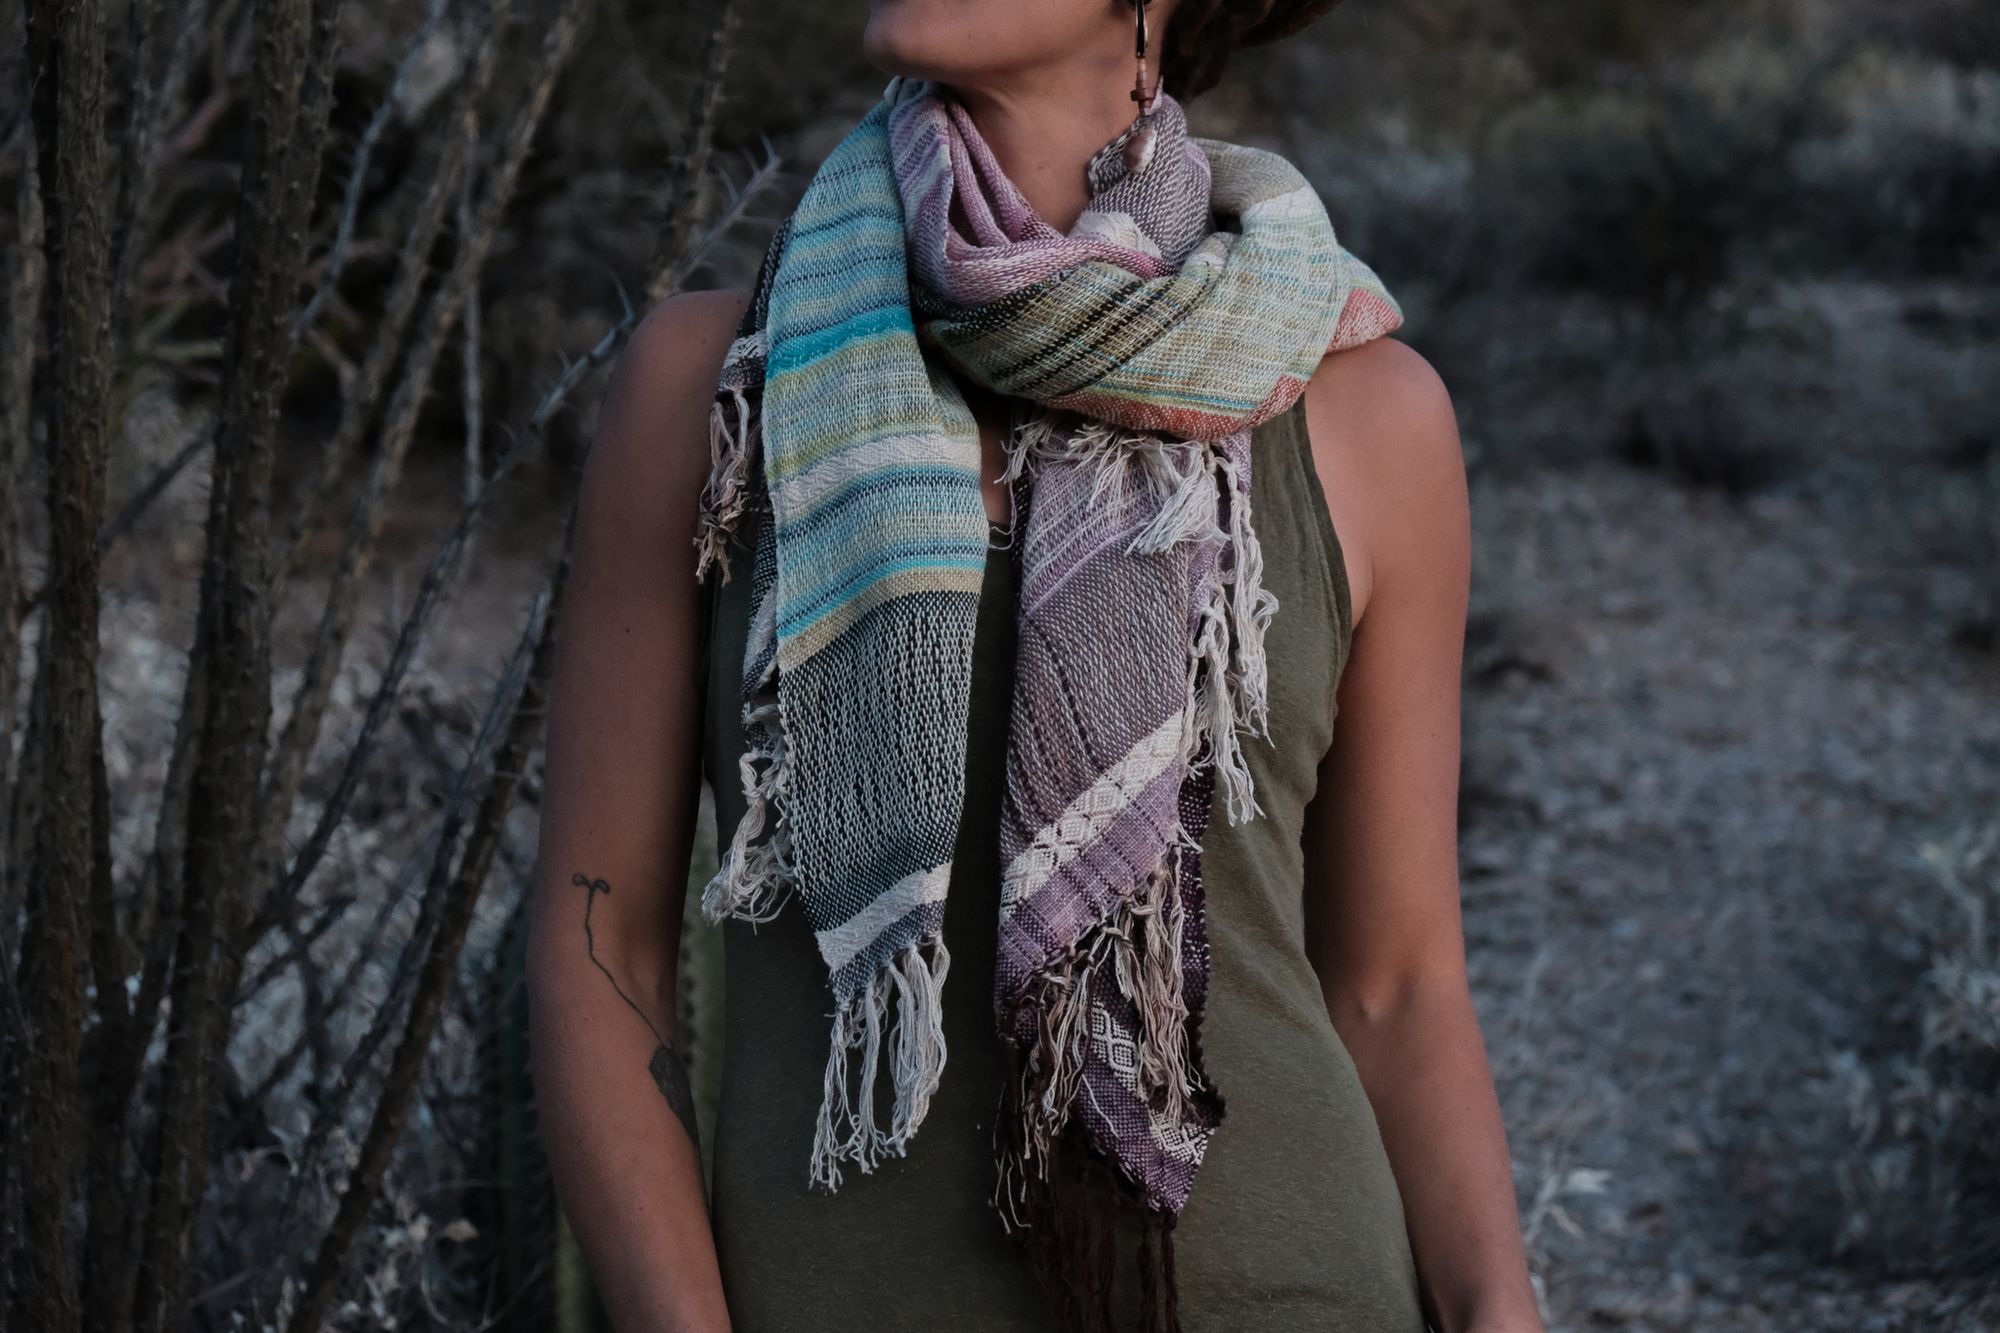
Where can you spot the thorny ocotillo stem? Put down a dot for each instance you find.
(294, 45)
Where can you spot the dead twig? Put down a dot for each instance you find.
(437, 858)
(157, 99)
(461, 896)
(671, 274)
(691, 169)
(301, 732)
(357, 171)
(470, 395)
(362, 403)
(402, 654)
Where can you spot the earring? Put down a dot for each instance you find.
(1138, 148)
(1145, 89)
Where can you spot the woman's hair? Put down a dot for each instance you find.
(1203, 34)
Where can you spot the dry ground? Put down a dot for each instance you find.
(1706, 738)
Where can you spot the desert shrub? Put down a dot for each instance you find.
(1922, 1182)
(1659, 205)
(1910, 180)
(1964, 32)
(1654, 192)
(1575, 44)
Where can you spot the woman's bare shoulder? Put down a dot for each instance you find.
(683, 333)
(650, 454)
(666, 374)
(1386, 445)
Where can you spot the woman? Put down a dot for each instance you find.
(984, 560)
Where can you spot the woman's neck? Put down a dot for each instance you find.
(1044, 137)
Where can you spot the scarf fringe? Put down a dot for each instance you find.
(1074, 1256)
(1146, 961)
(1185, 481)
(912, 981)
(733, 440)
(1141, 945)
(1228, 671)
(756, 875)
(755, 879)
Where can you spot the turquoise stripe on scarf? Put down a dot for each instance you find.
(821, 312)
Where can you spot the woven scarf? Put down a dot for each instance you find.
(1192, 300)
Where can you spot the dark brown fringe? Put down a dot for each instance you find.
(1159, 1294)
(1071, 1238)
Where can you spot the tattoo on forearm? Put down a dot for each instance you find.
(670, 1075)
(668, 1072)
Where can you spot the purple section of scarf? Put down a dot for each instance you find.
(1101, 665)
(1044, 928)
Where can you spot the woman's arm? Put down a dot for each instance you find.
(1382, 911)
(618, 812)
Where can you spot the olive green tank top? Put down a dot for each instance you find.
(1295, 1222)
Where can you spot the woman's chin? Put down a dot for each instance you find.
(887, 44)
(952, 41)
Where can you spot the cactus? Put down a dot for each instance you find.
(699, 1021)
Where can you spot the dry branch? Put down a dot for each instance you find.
(681, 247)
(691, 169)
(20, 311)
(409, 636)
(437, 853)
(672, 272)
(459, 893)
(301, 733)
(20, 308)
(402, 654)
(207, 890)
(292, 90)
(362, 403)
(357, 172)
(157, 99)
(470, 395)
(461, 896)
(70, 117)
(136, 504)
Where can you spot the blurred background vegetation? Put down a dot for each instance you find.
(1716, 289)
